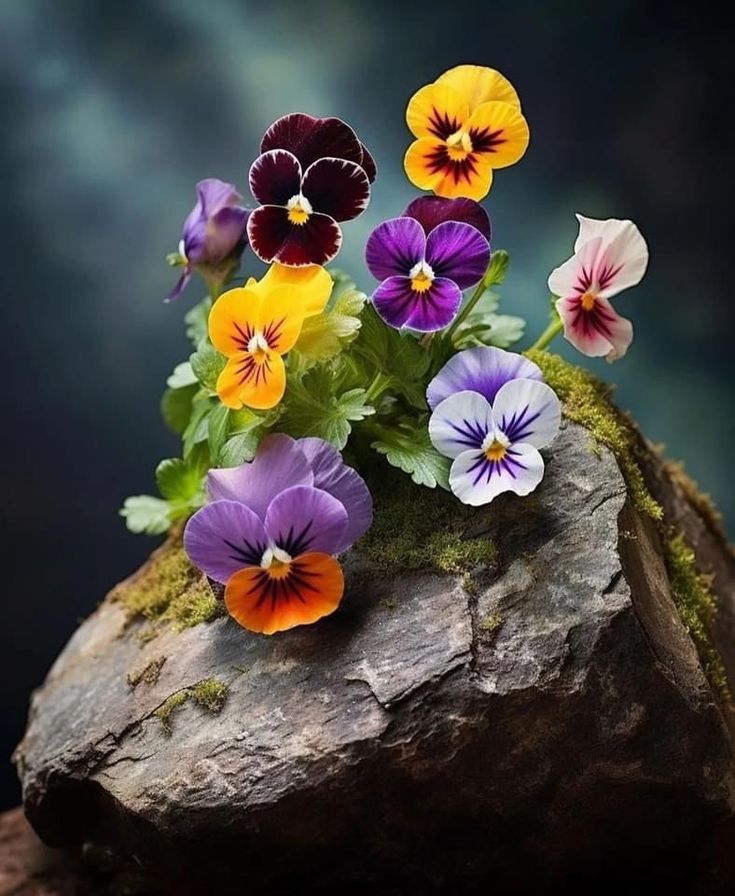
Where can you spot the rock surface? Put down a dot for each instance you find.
(549, 727)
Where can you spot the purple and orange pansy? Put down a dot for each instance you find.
(312, 174)
(272, 529)
(466, 124)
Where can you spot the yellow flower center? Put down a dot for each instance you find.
(588, 301)
(276, 562)
(422, 276)
(258, 348)
(496, 446)
(299, 209)
(459, 146)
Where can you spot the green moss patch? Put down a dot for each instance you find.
(210, 694)
(148, 674)
(419, 528)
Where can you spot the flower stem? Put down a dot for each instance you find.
(462, 316)
(553, 330)
(379, 384)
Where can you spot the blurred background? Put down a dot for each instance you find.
(114, 110)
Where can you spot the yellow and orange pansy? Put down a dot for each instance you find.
(467, 123)
(313, 282)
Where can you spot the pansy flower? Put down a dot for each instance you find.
(490, 414)
(272, 530)
(425, 261)
(467, 123)
(214, 234)
(312, 174)
(609, 256)
(313, 283)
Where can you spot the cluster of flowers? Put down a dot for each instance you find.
(291, 366)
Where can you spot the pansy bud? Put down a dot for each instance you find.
(214, 235)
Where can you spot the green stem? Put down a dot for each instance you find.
(462, 316)
(379, 384)
(553, 330)
(215, 289)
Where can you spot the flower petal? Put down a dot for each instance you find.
(213, 195)
(435, 308)
(313, 283)
(622, 262)
(429, 167)
(223, 537)
(499, 131)
(336, 188)
(527, 411)
(475, 480)
(478, 84)
(576, 275)
(233, 319)
(279, 463)
(460, 423)
(459, 252)
(305, 518)
(311, 138)
(226, 231)
(274, 238)
(482, 369)
(275, 177)
(394, 300)
(186, 275)
(368, 163)
(430, 211)
(331, 474)
(280, 318)
(436, 111)
(394, 247)
(311, 589)
(601, 331)
(251, 383)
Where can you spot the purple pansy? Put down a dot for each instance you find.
(214, 233)
(490, 415)
(426, 260)
(312, 174)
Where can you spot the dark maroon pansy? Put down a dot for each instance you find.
(300, 206)
(430, 211)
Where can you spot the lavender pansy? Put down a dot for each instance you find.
(213, 236)
(423, 276)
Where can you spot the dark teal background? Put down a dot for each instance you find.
(112, 111)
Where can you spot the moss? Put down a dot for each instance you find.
(701, 501)
(587, 401)
(692, 594)
(419, 528)
(167, 590)
(148, 674)
(209, 693)
(492, 622)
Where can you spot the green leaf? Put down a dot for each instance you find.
(182, 376)
(500, 330)
(409, 448)
(239, 448)
(207, 364)
(197, 429)
(180, 481)
(176, 407)
(327, 334)
(196, 320)
(218, 424)
(144, 513)
(498, 268)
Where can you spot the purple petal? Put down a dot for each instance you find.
(185, 277)
(337, 188)
(394, 300)
(394, 247)
(213, 195)
(460, 423)
(311, 138)
(224, 537)
(483, 369)
(368, 163)
(274, 238)
(304, 519)
(459, 252)
(278, 464)
(226, 231)
(435, 308)
(430, 211)
(275, 177)
(475, 480)
(331, 474)
(527, 411)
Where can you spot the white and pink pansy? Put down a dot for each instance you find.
(491, 421)
(609, 256)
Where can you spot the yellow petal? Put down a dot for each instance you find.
(232, 320)
(312, 282)
(420, 162)
(471, 179)
(503, 129)
(436, 110)
(252, 381)
(280, 318)
(477, 84)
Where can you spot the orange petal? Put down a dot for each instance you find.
(254, 381)
(311, 589)
(312, 282)
(477, 84)
(232, 320)
(421, 162)
(280, 318)
(437, 111)
(429, 167)
(502, 129)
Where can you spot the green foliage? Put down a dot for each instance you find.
(325, 335)
(497, 269)
(484, 326)
(146, 514)
(207, 364)
(176, 407)
(408, 447)
(196, 321)
(182, 376)
(180, 482)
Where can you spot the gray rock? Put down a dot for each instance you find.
(553, 726)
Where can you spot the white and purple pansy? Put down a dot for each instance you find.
(312, 174)
(491, 413)
(425, 259)
(609, 256)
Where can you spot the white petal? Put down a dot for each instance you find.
(527, 411)
(460, 422)
(600, 332)
(576, 275)
(622, 262)
(589, 228)
(476, 480)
